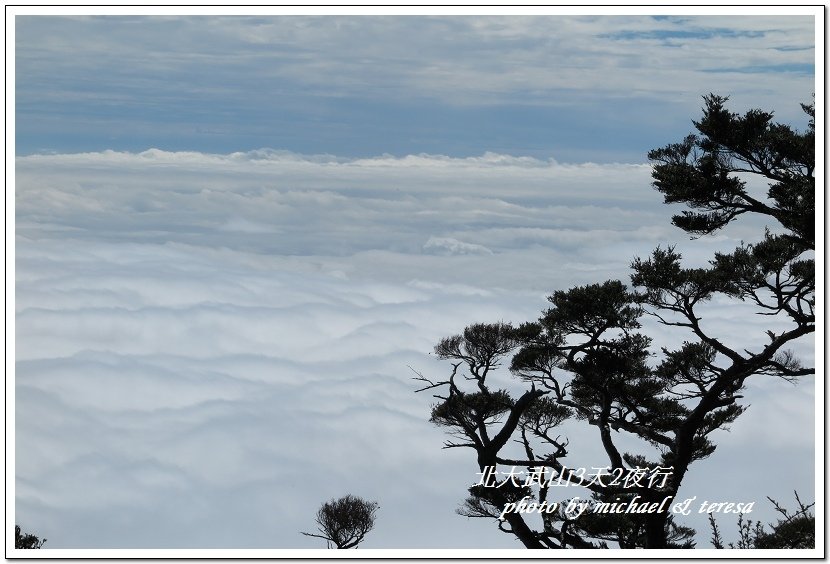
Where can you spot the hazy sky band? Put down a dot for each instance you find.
(575, 88)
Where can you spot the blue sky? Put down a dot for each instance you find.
(590, 88)
(235, 235)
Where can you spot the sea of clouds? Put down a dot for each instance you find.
(209, 346)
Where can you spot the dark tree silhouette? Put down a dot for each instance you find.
(26, 540)
(345, 522)
(586, 359)
(793, 530)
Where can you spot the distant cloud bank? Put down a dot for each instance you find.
(210, 345)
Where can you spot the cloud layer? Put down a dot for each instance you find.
(580, 88)
(210, 345)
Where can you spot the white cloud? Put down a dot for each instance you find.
(209, 346)
(468, 60)
(448, 245)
